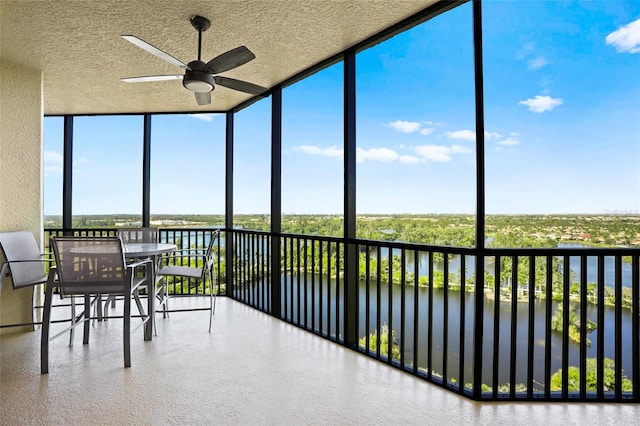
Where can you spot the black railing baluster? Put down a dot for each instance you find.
(462, 322)
(250, 269)
(313, 285)
(531, 325)
(547, 325)
(618, 326)
(378, 299)
(284, 278)
(445, 322)
(329, 289)
(340, 321)
(416, 309)
(496, 326)
(298, 286)
(566, 308)
(430, 320)
(306, 292)
(367, 300)
(403, 303)
(514, 327)
(321, 289)
(601, 327)
(293, 282)
(390, 307)
(269, 281)
(635, 325)
(583, 326)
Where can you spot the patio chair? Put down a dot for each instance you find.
(204, 266)
(90, 266)
(136, 235)
(23, 259)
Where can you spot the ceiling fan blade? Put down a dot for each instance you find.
(203, 98)
(152, 78)
(242, 86)
(154, 51)
(230, 60)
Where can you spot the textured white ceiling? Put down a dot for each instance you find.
(77, 45)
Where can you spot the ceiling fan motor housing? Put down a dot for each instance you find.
(197, 78)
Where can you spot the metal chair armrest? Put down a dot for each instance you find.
(138, 263)
(198, 250)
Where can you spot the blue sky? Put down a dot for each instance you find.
(562, 127)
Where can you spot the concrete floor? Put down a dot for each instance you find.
(251, 370)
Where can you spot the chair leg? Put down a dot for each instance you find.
(212, 301)
(127, 330)
(87, 316)
(100, 313)
(165, 298)
(44, 336)
(143, 315)
(73, 320)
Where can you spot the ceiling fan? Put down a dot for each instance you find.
(199, 76)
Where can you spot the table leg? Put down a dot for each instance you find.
(151, 299)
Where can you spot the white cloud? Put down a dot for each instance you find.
(410, 159)
(204, 117)
(542, 103)
(53, 158)
(489, 135)
(459, 149)
(332, 151)
(467, 135)
(525, 50)
(510, 141)
(424, 153)
(405, 126)
(537, 63)
(385, 155)
(53, 163)
(626, 39)
(436, 153)
(426, 131)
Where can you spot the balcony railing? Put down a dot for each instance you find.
(540, 324)
(548, 324)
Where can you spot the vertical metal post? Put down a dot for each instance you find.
(350, 250)
(228, 209)
(146, 171)
(480, 202)
(67, 175)
(276, 197)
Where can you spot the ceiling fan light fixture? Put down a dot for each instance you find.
(201, 77)
(198, 81)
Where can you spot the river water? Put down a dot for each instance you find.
(455, 323)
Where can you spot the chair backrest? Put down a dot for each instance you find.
(209, 254)
(138, 235)
(89, 260)
(23, 255)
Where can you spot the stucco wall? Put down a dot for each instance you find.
(21, 116)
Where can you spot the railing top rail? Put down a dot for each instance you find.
(563, 251)
(488, 251)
